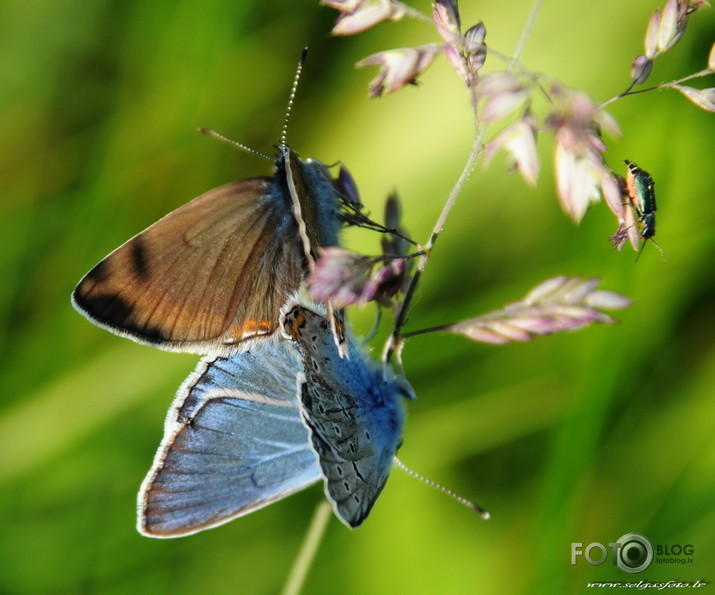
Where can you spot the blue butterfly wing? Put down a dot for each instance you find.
(234, 442)
(355, 471)
(353, 412)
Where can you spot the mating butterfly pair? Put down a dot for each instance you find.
(271, 410)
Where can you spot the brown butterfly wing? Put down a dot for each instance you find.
(205, 277)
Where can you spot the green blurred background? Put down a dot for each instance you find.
(575, 438)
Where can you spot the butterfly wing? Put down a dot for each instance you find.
(352, 411)
(315, 200)
(206, 276)
(355, 466)
(234, 442)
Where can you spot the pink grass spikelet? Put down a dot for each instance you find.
(556, 305)
(399, 67)
(357, 16)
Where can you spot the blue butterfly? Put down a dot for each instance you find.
(255, 427)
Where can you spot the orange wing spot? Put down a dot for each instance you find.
(293, 327)
(251, 327)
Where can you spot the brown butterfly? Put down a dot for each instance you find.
(215, 272)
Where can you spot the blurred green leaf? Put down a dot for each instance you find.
(578, 437)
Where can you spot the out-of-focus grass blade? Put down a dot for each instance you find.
(43, 424)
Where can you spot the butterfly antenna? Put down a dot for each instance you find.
(468, 503)
(291, 99)
(233, 143)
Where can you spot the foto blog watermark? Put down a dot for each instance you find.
(632, 553)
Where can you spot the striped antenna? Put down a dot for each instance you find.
(468, 503)
(233, 143)
(291, 99)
